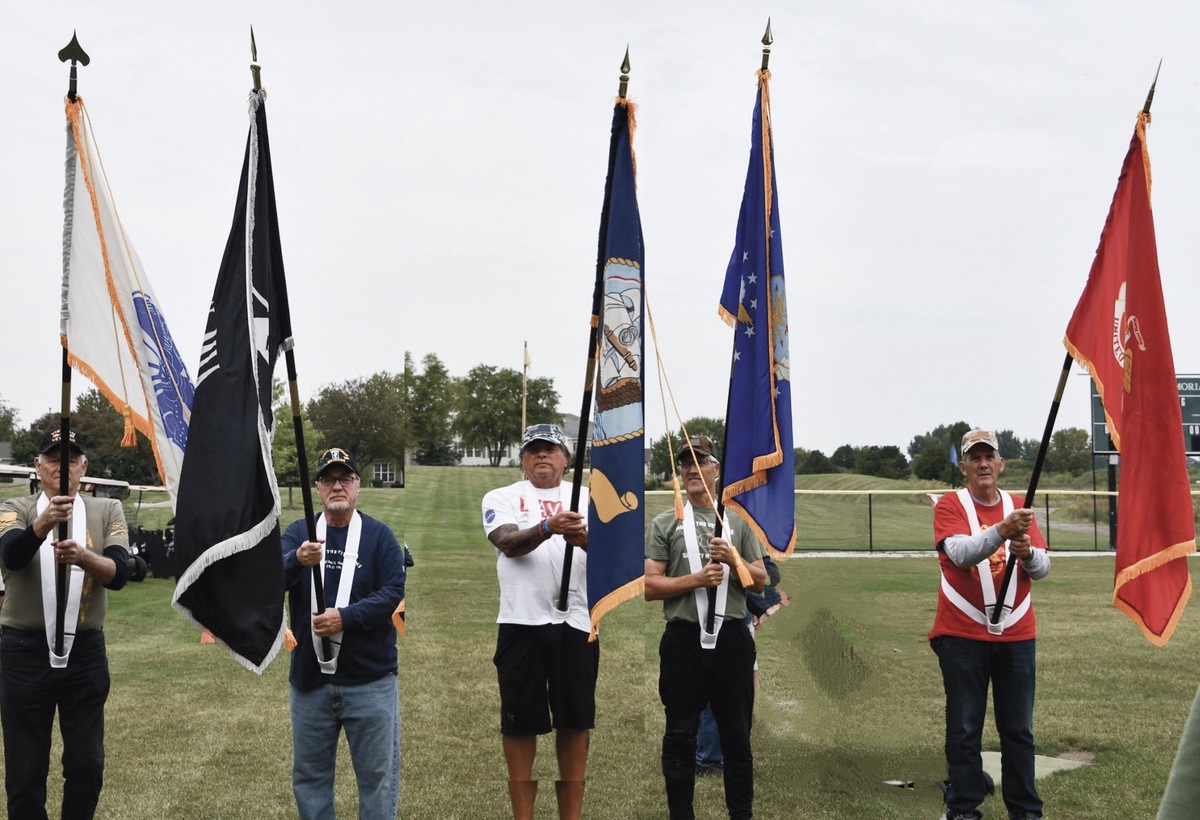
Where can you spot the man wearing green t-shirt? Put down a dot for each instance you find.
(684, 560)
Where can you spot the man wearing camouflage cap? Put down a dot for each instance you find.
(545, 665)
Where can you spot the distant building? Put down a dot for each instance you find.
(6, 456)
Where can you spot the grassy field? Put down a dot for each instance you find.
(850, 695)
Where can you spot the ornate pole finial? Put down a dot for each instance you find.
(766, 41)
(255, 68)
(1150, 96)
(624, 74)
(75, 53)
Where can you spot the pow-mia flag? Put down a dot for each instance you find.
(227, 549)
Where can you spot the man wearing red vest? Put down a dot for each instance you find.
(974, 530)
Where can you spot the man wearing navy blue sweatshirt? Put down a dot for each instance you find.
(343, 673)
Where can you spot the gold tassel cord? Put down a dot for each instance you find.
(664, 386)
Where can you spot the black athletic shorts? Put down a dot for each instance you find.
(544, 671)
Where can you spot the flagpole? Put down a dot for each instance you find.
(75, 53)
(589, 378)
(1010, 565)
(285, 323)
(524, 387)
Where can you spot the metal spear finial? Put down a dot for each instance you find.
(1150, 96)
(766, 41)
(75, 53)
(624, 74)
(255, 68)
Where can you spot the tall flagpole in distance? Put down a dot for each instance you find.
(75, 53)
(285, 321)
(524, 390)
(589, 378)
(998, 609)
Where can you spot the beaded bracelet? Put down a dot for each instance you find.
(545, 528)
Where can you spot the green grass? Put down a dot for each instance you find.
(850, 697)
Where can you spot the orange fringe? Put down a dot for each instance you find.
(614, 599)
(398, 618)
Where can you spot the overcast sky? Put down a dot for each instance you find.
(944, 170)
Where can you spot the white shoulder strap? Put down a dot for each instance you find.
(986, 584)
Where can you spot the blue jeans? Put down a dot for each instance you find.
(370, 715)
(708, 741)
(967, 668)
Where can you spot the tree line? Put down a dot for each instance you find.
(428, 412)
(929, 454)
(422, 410)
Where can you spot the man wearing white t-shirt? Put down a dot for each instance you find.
(545, 665)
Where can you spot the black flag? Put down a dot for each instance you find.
(227, 550)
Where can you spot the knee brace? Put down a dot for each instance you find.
(679, 748)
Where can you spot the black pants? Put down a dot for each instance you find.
(691, 677)
(30, 691)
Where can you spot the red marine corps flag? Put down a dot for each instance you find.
(1119, 333)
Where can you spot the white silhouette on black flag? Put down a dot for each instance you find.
(227, 549)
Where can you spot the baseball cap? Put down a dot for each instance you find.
(544, 432)
(53, 440)
(975, 437)
(701, 445)
(334, 456)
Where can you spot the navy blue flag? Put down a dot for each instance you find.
(228, 559)
(616, 513)
(759, 460)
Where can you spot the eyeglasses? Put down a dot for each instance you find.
(346, 480)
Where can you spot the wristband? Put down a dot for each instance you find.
(545, 528)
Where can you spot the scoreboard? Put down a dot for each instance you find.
(1189, 405)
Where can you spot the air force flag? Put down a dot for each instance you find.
(759, 460)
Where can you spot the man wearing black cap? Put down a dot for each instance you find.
(974, 530)
(683, 561)
(34, 680)
(546, 667)
(354, 687)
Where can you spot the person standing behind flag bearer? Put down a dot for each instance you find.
(546, 667)
(974, 528)
(362, 567)
(683, 561)
(33, 681)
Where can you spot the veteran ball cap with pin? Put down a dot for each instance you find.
(544, 432)
(53, 441)
(335, 456)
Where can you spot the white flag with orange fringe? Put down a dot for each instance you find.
(111, 323)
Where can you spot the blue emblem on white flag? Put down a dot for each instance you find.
(172, 388)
